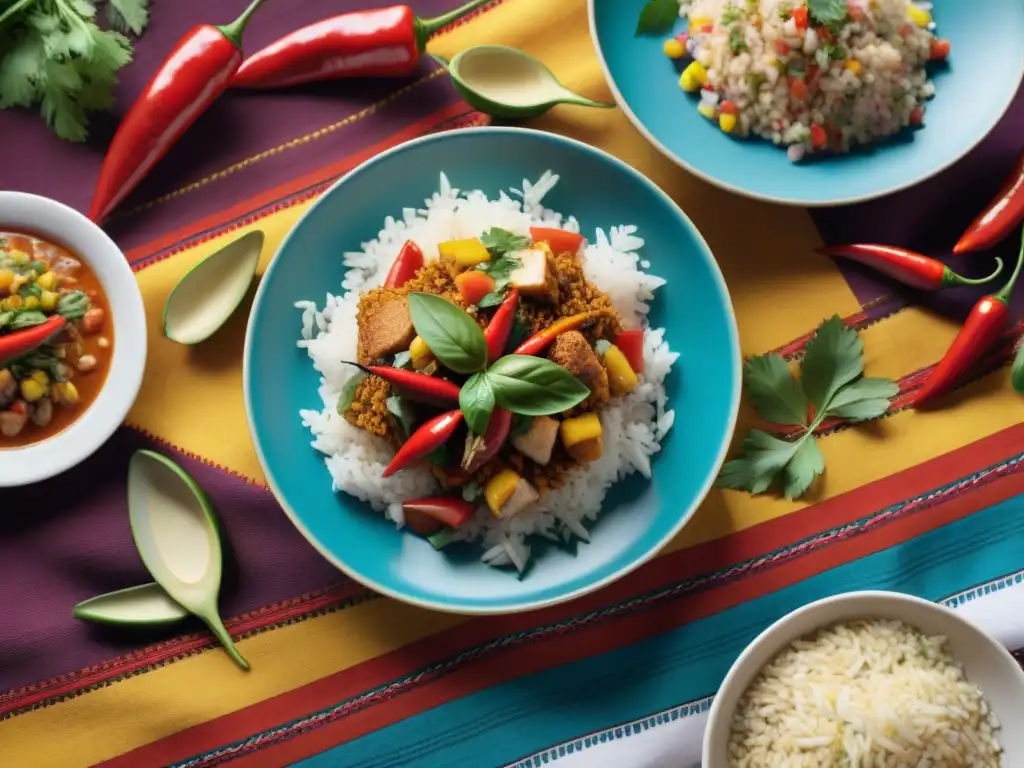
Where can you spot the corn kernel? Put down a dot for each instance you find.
(65, 393)
(697, 23)
(32, 391)
(12, 302)
(694, 77)
(727, 122)
(41, 377)
(6, 278)
(710, 111)
(31, 302)
(918, 15)
(674, 49)
(48, 301)
(46, 281)
(854, 66)
(20, 257)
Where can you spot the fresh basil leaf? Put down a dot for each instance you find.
(476, 400)
(500, 241)
(834, 357)
(863, 399)
(533, 386)
(453, 336)
(520, 425)
(492, 299)
(400, 408)
(30, 289)
(348, 393)
(73, 305)
(761, 458)
(402, 359)
(1016, 374)
(828, 11)
(472, 491)
(657, 17)
(807, 463)
(27, 318)
(773, 390)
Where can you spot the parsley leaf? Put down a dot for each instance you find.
(500, 270)
(657, 17)
(737, 40)
(500, 241)
(830, 379)
(55, 56)
(834, 52)
(827, 11)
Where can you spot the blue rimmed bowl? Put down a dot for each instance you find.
(640, 517)
(973, 92)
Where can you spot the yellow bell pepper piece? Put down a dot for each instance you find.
(48, 300)
(919, 16)
(694, 77)
(47, 280)
(32, 390)
(12, 302)
(65, 393)
(31, 302)
(6, 278)
(465, 253)
(500, 489)
(581, 436)
(420, 354)
(622, 378)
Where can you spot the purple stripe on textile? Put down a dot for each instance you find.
(68, 539)
(931, 217)
(239, 127)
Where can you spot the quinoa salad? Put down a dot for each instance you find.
(811, 76)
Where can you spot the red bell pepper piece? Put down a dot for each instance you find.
(193, 76)
(559, 240)
(542, 339)
(427, 438)
(1000, 216)
(439, 510)
(473, 285)
(913, 269)
(631, 344)
(18, 343)
(500, 327)
(984, 325)
(385, 42)
(408, 262)
(416, 386)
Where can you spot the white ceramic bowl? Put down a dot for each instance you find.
(987, 664)
(53, 221)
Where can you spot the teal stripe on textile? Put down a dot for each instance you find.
(498, 725)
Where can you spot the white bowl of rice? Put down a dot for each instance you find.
(869, 679)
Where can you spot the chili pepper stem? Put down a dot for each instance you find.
(426, 28)
(1004, 293)
(236, 28)
(953, 278)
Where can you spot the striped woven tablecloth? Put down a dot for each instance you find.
(928, 503)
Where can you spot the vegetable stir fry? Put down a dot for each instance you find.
(53, 354)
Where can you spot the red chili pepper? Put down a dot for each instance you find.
(542, 339)
(18, 343)
(408, 262)
(416, 386)
(440, 510)
(193, 76)
(427, 438)
(494, 437)
(559, 240)
(631, 344)
(500, 327)
(1001, 216)
(984, 325)
(909, 267)
(384, 42)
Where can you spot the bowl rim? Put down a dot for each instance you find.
(717, 711)
(87, 433)
(524, 605)
(790, 201)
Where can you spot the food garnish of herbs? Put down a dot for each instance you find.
(383, 42)
(192, 77)
(831, 385)
(908, 267)
(1000, 217)
(53, 358)
(983, 327)
(54, 54)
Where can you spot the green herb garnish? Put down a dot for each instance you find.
(453, 336)
(439, 456)
(657, 17)
(472, 491)
(500, 241)
(831, 379)
(827, 11)
(730, 14)
(500, 270)
(348, 393)
(492, 299)
(73, 305)
(476, 400)
(26, 318)
(403, 413)
(533, 386)
(53, 54)
(834, 52)
(737, 40)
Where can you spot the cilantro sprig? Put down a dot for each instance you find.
(831, 384)
(54, 55)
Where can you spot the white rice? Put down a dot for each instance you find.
(872, 85)
(633, 426)
(868, 694)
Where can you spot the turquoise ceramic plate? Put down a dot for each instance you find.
(640, 517)
(973, 92)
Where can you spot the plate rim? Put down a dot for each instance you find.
(787, 201)
(519, 606)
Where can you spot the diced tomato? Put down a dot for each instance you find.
(824, 35)
(939, 49)
(905, 31)
(474, 285)
(727, 107)
(799, 17)
(631, 344)
(452, 511)
(917, 116)
(781, 48)
(797, 89)
(558, 240)
(819, 136)
(708, 28)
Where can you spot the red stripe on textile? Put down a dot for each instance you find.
(590, 636)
